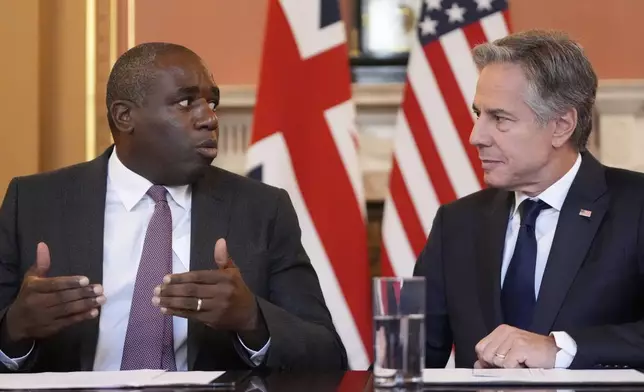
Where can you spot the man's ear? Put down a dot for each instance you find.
(121, 112)
(564, 127)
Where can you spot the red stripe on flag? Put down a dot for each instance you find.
(317, 164)
(426, 147)
(351, 382)
(266, 115)
(319, 169)
(474, 34)
(406, 211)
(386, 269)
(455, 102)
(506, 17)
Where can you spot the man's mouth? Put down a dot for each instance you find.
(208, 148)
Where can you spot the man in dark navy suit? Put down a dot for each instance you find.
(545, 267)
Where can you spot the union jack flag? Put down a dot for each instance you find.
(304, 141)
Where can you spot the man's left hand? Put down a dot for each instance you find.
(218, 298)
(509, 347)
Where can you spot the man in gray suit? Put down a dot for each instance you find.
(148, 256)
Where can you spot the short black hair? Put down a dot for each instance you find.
(132, 73)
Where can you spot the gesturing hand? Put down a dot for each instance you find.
(44, 306)
(218, 298)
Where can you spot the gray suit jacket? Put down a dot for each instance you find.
(66, 208)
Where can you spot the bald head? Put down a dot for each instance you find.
(134, 72)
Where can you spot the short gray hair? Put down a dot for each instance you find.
(559, 74)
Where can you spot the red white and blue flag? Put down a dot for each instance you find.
(433, 163)
(304, 140)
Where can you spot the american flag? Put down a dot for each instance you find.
(304, 141)
(433, 162)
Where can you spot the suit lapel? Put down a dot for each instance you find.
(573, 237)
(83, 224)
(491, 241)
(210, 214)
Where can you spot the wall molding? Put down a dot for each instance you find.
(616, 97)
(613, 95)
(365, 95)
(617, 140)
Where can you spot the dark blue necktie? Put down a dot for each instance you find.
(517, 297)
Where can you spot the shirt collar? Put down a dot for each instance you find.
(555, 194)
(131, 187)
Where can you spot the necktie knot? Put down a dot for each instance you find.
(529, 211)
(157, 193)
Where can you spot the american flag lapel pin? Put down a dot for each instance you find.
(585, 213)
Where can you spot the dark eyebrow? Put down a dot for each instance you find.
(493, 112)
(499, 112)
(194, 90)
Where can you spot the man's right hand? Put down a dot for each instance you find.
(44, 305)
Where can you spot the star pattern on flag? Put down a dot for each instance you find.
(439, 17)
(483, 5)
(434, 4)
(455, 13)
(428, 26)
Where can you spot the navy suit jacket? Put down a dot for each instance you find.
(593, 285)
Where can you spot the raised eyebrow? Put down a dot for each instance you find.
(188, 90)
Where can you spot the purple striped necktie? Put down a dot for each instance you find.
(149, 342)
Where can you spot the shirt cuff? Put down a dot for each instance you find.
(257, 357)
(567, 349)
(14, 364)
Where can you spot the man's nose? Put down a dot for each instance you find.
(207, 119)
(479, 136)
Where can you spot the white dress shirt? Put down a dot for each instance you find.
(545, 227)
(128, 210)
